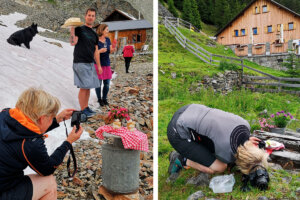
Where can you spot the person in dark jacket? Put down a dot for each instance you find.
(22, 144)
(209, 139)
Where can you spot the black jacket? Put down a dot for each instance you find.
(20, 147)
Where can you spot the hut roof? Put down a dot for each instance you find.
(126, 15)
(128, 25)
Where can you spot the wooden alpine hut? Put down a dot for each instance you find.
(123, 25)
(263, 27)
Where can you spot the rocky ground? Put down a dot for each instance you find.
(51, 14)
(135, 92)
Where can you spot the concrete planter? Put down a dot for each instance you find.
(277, 130)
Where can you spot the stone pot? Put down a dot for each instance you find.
(277, 130)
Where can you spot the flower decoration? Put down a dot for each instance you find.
(281, 118)
(118, 113)
(266, 124)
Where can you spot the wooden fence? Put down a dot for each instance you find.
(277, 83)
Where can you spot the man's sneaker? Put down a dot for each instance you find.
(175, 163)
(100, 101)
(88, 113)
(105, 102)
(91, 111)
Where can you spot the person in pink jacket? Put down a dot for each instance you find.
(128, 54)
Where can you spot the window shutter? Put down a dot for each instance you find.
(246, 32)
(272, 29)
(268, 8)
(233, 33)
(257, 30)
(278, 27)
(285, 27)
(254, 11)
(266, 29)
(258, 9)
(294, 26)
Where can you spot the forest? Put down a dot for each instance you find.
(215, 12)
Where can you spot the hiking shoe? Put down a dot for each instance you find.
(100, 101)
(91, 111)
(87, 112)
(105, 102)
(175, 163)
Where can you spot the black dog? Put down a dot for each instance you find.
(23, 36)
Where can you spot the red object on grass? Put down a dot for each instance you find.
(131, 139)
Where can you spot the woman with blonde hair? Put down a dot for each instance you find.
(209, 139)
(104, 48)
(22, 144)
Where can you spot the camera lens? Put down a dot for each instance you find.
(262, 183)
(83, 117)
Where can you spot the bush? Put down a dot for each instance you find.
(228, 66)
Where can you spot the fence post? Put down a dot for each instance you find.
(177, 22)
(165, 22)
(210, 58)
(242, 74)
(184, 42)
(190, 27)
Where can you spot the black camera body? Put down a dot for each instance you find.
(77, 118)
(259, 178)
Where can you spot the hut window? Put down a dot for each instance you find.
(269, 29)
(236, 33)
(291, 26)
(256, 10)
(254, 31)
(139, 38)
(265, 8)
(243, 32)
(134, 38)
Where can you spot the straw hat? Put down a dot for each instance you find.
(73, 21)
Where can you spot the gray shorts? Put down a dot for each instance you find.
(85, 75)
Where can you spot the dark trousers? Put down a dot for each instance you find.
(127, 63)
(104, 91)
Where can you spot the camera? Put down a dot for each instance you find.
(259, 178)
(77, 118)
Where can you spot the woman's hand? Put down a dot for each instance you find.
(74, 136)
(99, 70)
(64, 115)
(102, 50)
(254, 140)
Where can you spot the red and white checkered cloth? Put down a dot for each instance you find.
(131, 139)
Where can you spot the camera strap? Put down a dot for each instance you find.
(69, 159)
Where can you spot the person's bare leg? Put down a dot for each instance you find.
(83, 97)
(216, 167)
(44, 187)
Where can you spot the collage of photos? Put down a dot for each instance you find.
(150, 99)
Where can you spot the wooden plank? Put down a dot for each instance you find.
(226, 57)
(198, 47)
(274, 77)
(191, 47)
(274, 84)
(268, 78)
(197, 55)
(180, 42)
(275, 91)
(277, 135)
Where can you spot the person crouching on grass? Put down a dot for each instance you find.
(208, 139)
(22, 144)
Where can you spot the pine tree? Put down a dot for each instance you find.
(196, 19)
(178, 4)
(186, 10)
(172, 8)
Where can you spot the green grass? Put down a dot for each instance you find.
(175, 93)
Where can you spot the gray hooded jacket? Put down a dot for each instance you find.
(226, 130)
